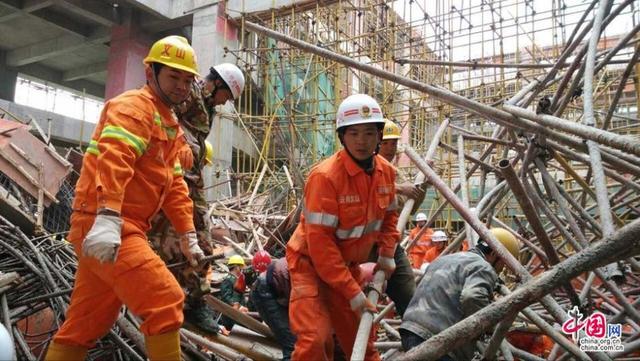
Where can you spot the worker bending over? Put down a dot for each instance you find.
(454, 287)
(270, 296)
(233, 288)
(195, 116)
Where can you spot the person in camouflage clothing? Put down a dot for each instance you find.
(195, 116)
(454, 287)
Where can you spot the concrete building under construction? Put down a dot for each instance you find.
(517, 114)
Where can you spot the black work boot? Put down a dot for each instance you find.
(202, 316)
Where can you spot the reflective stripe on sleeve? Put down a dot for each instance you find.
(93, 148)
(322, 219)
(137, 143)
(177, 169)
(359, 231)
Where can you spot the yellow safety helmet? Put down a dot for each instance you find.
(508, 240)
(391, 130)
(209, 155)
(236, 260)
(175, 52)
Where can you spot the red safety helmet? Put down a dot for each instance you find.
(261, 260)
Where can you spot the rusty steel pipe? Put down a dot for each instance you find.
(366, 321)
(623, 243)
(550, 304)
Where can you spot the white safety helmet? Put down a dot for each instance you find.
(439, 236)
(6, 346)
(424, 267)
(232, 76)
(421, 217)
(358, 109)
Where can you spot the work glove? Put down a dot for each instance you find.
(190, 249)
(185, 156)
(360, 303)
(103, 239)
(387, 265)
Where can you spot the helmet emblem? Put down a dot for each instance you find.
(365, 111)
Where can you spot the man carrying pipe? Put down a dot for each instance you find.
(349, 205)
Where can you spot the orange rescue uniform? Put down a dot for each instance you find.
(431, 255)
(130, 167)
(346, 212)
(420, 246)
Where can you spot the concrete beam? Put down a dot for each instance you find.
(38, 10)
(50, 48)
(42, 72)
(163, 8)
(156, 25)
(66, 130)
(21, 8)
(99, 12)
(85, 71)
(264, 9)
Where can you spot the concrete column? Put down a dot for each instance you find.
(210, 34)
(129, 46)
(8, 79)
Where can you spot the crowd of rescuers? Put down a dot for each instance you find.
(141, 180)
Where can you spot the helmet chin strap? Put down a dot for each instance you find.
(163, 96)
(365, 164)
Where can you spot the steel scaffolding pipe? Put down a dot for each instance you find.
(579, 243)
(623, 243)
(366, 321)
(613, 140)
(588, 119)
(586, 160)
(486, 111)
(548, 329)
(623, 82)
(498, 132)
(552, 306)
(433, 146)
(509, 174)
(528, 209)
(464, 191)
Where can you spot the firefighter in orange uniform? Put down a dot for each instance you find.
(439, 240)
(420, 245)
(349, 205)
(129, 172)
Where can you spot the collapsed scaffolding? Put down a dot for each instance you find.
(526, 129)
(555, 119)
(290, 105)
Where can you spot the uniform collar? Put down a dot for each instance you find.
(169, 118)
(352, 168)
